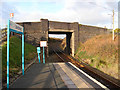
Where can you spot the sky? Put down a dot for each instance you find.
(88, 12)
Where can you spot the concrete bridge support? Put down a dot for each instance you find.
(45, 29)
(75, 37)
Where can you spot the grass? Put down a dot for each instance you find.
(100, 52)
(16, 55)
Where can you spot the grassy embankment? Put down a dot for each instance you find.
(15, 56)
(100, 52)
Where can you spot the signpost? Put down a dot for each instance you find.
(38, 51)
(11, 15)
(13, 27)
(11, 18)
(43, 44)
(16, 28)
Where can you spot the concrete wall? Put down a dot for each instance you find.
(60, 25)
(86, 32)
(35, 31)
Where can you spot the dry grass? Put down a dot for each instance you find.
(101, 52)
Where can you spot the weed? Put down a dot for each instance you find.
(101, 52)
(15, 55)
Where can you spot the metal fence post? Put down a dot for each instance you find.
(23, 53)
(43, 56)
(8, 37)
(39, 57)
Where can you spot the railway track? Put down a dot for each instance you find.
(96, 74)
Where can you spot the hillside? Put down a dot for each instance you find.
(15, 56)
(100, 52)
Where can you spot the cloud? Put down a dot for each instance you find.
(90, 12)
(6, 9)
(84, 12)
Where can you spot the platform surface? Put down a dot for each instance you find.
(54, 75)
(40, 76)
(74, 78)
(70, 77)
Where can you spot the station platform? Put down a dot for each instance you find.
(40, 76)
(54, 75)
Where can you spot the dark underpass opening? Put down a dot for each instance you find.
(56, 43)
(59, 42)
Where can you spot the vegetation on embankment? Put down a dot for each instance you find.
(100, 52)
(54, 39)
(16, 56)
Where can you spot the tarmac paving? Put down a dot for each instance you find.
(53, 75)
(40, 75)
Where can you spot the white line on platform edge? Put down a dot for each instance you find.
(90, 77)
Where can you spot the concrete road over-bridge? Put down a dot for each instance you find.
(75, 32)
